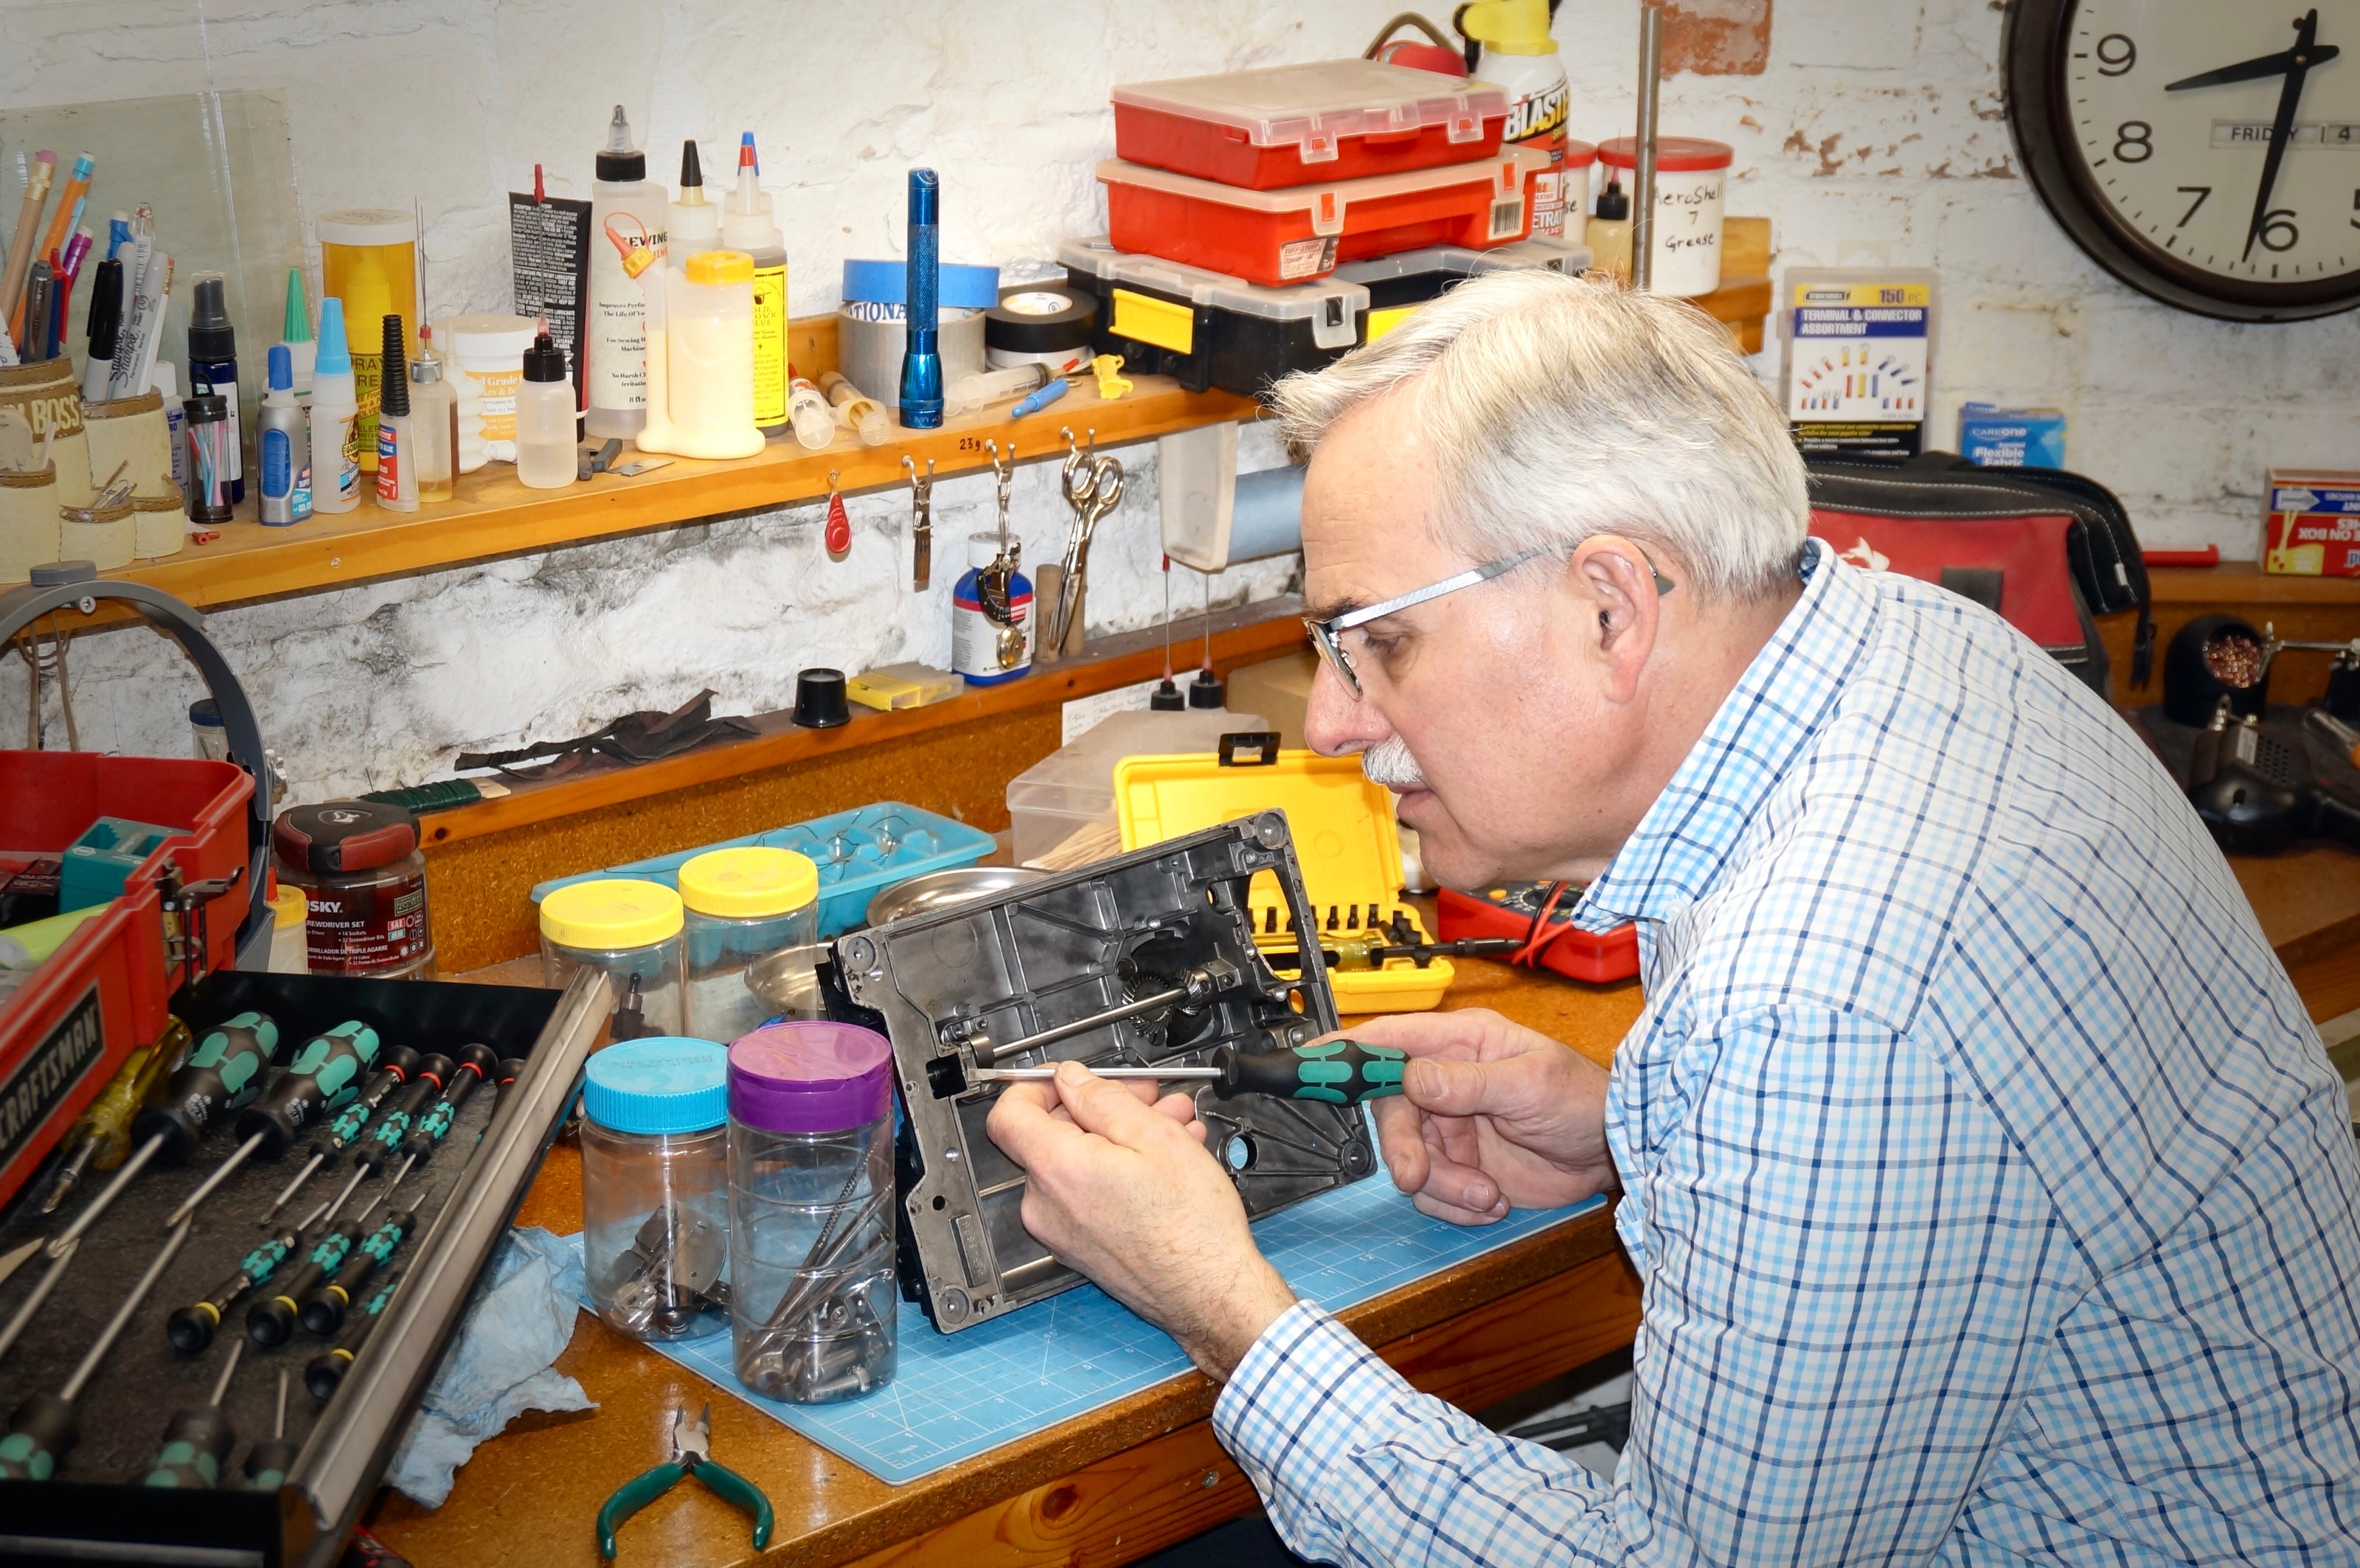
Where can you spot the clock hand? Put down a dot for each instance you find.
(2253, 69)
(2306, 33)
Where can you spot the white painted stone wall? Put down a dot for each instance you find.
(1876, 127)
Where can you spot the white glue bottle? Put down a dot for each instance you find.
(1519, 55)
(336, 413)
(628, 216)
(747, 226)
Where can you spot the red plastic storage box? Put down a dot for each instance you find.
(1303, 231)
(1296, 124)
(107, 991)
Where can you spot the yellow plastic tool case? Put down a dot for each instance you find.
(1344, 837)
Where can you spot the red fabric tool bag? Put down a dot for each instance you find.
(2045, 549)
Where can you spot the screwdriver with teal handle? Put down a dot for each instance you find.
(197, 1444)
(270, 1460)
(224, 1073)
(191, 1328)
(392, 1071)
(325, 1073)
(384, 1139)
(1339, 1072)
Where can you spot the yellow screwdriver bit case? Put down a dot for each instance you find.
(1344, 839)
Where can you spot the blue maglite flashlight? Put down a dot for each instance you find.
(922, 365)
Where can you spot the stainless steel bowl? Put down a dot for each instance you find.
(940, 890)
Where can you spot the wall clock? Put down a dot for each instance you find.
(2203, 152)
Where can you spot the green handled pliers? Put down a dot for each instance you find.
(691, 1454)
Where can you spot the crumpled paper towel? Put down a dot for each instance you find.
(498, 1364)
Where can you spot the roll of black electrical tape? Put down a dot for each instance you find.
(1038, 318)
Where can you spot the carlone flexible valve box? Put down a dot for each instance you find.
(2310, 524)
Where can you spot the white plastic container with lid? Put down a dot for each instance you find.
(752, 928)
(630, 931)
(1288, 124)
(629, 222)
(546, 438)
(1692, 176)
(701, 359)
(483, 356)
(1061, 811)
(655, 1186)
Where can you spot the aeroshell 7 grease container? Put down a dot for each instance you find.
(992, 614)
(811, 1211)
(365, 884)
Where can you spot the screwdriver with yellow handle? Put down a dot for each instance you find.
(100, 1137)
(1338, 1071)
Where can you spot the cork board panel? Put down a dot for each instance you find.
(478, 890)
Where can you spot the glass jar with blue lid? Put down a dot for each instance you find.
(655, 1186)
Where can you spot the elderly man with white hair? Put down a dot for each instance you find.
(1993, 1197)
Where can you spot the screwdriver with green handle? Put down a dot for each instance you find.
(270, 1460)
(324, 1075)
(384, 1139)
(323, 1309)
(270, 1322)
(392, 1069)
(197, 1442)
(223, 1073)
(191, 1328)
(1337, 1071)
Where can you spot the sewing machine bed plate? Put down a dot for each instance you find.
(1052, 953)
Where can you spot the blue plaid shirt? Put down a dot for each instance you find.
(1994, 1199)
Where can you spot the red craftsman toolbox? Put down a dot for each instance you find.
(1303, 231)
(1541, 910)
(105, 991)
(1297, 125)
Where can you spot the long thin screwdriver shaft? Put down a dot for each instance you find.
(220, 1173)
(1043, 1074)
(98, 1205)
(40, 1293)
(115, 1325)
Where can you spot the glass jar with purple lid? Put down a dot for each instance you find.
(811, 1211)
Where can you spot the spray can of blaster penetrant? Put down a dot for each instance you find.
(1516, 52)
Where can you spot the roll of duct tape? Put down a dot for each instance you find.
(869, 352)
(1040, 319)
(887, 283)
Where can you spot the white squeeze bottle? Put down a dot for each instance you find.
(747, 226)
(335, 409)
(629, 215)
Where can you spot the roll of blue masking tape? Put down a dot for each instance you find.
(886, 283)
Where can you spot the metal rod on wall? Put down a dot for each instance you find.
(1643, 177)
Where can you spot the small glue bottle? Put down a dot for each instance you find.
(283, 443)
(397, 469)
(991, 613)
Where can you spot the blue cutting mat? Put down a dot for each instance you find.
(956, 1395)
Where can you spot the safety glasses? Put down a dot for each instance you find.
(1328, 635)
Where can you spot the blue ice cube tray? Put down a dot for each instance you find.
(859, 853)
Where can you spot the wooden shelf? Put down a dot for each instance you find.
(495, 516)
(2244, 583)
(1264, 629)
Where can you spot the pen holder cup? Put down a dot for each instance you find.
(130, 434)
(43, 400)
(159, 524)
(104, 536)
(29, 522)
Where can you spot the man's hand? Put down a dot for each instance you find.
(1126, 1193)
(1492, 1115)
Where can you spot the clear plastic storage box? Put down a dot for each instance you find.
(1290, 125)
(1061, 809)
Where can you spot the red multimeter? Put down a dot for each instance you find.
(1515, 908)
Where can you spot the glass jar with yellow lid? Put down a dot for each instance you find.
(629, 929)
(753, 939)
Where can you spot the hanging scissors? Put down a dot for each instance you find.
(1103, 494)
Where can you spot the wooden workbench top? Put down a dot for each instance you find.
(528, 1497)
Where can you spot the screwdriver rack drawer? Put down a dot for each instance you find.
(94, 1508)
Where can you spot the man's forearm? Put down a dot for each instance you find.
(1356, 1466)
